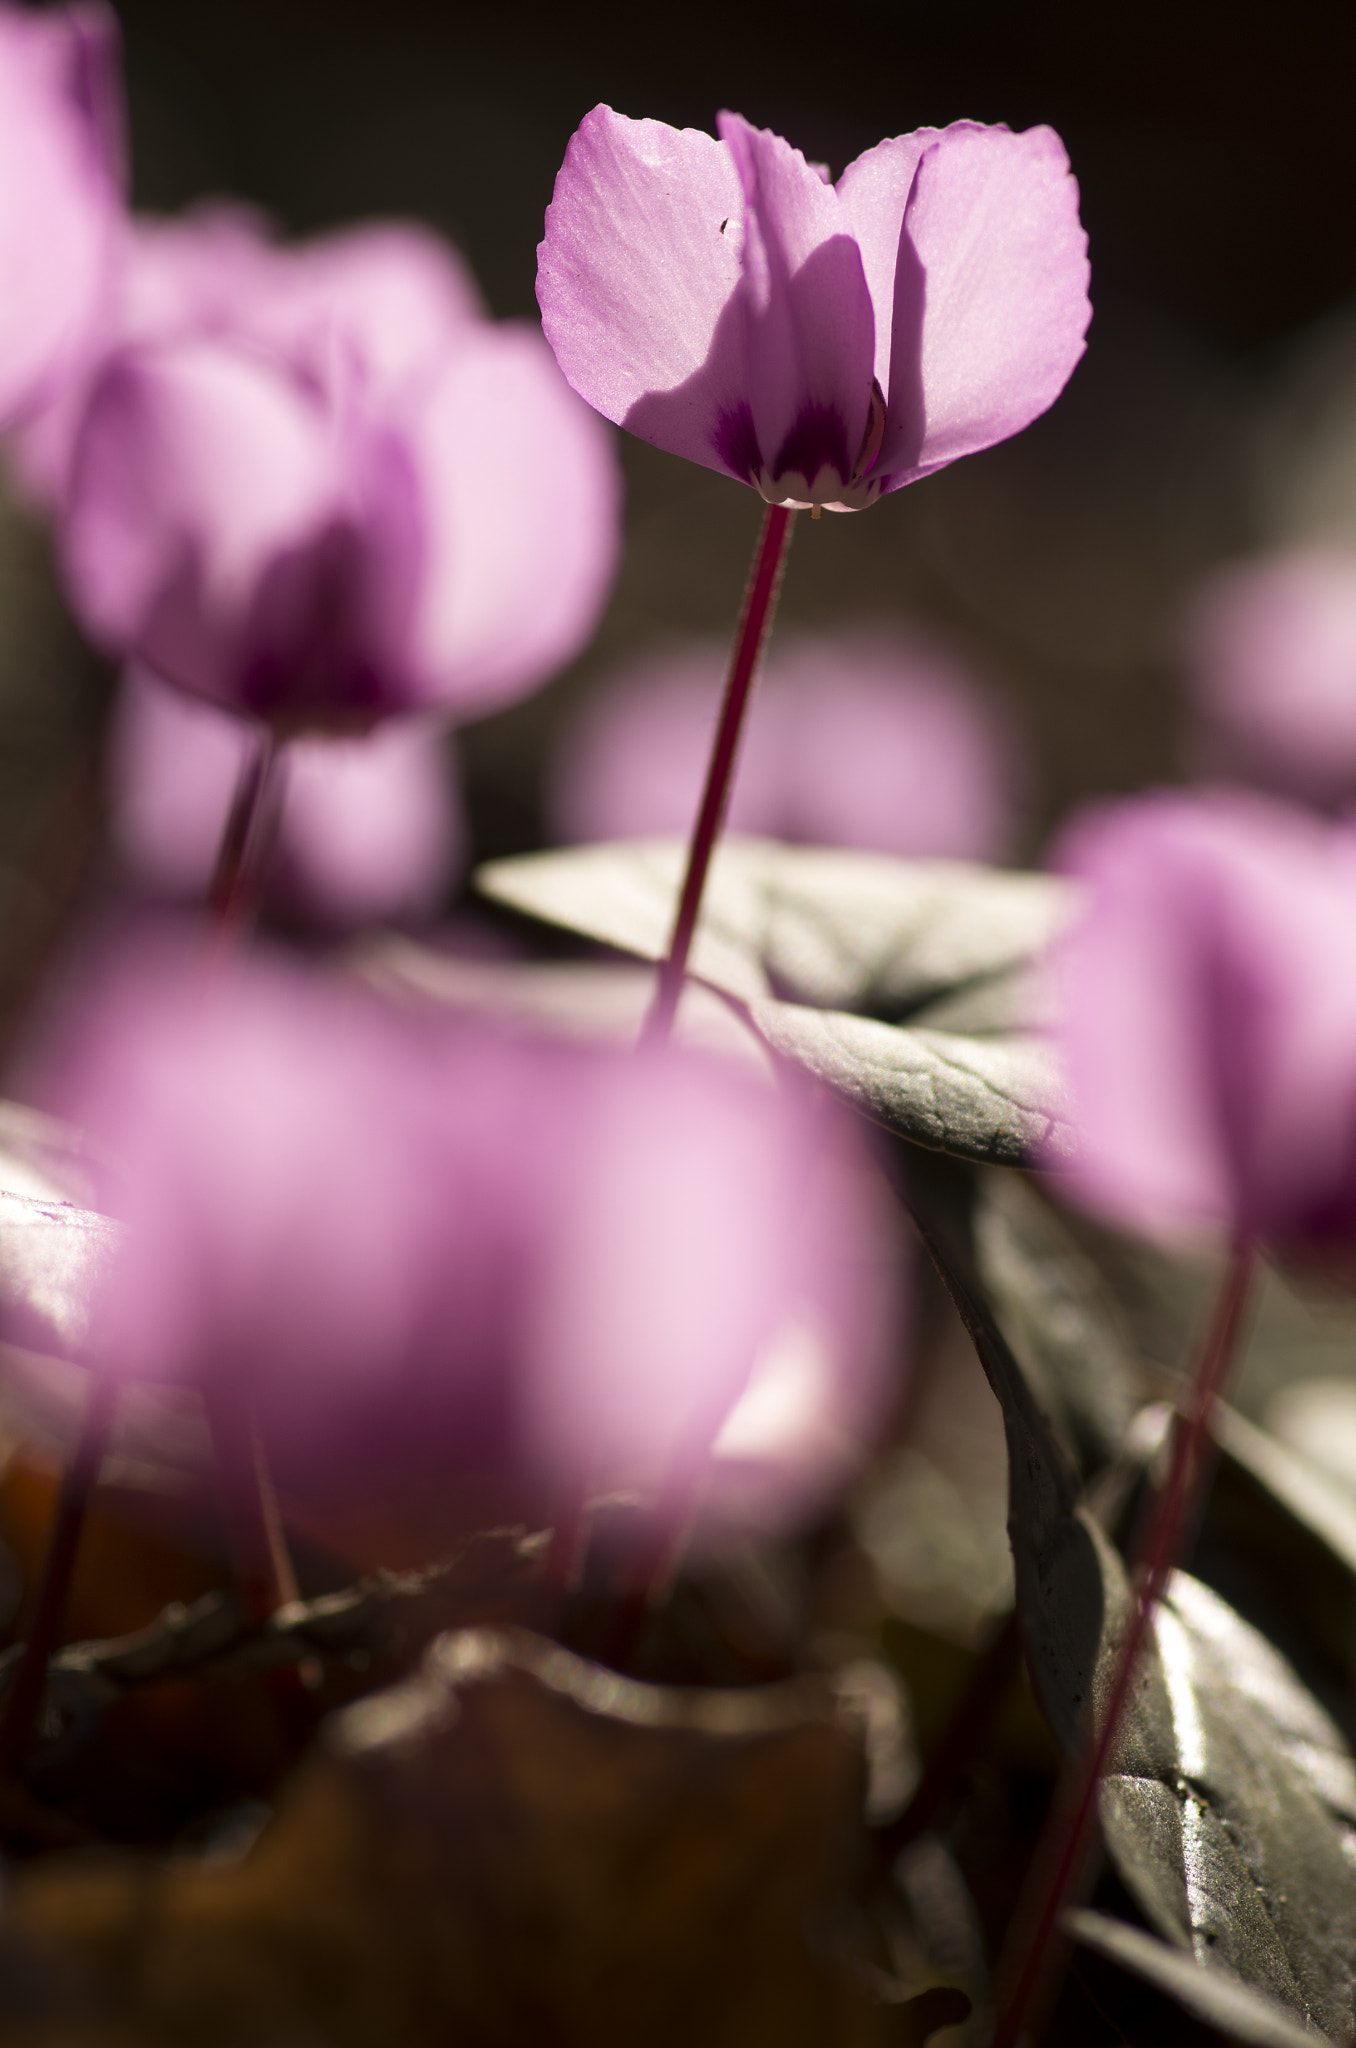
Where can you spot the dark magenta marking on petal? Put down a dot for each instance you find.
(817, 440)
(736, 443)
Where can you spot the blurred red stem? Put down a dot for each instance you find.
(258, 1545)
(234, 890)
(1061, 1860)
(24, 1700)
(760, 602)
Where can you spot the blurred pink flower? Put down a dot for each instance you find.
(60, 190)
(823, 343)
(421, 1250)
(1270, 647)
(1208, 1002)
(310, 485)
(873, 739)
(370, 829)
(386, 299)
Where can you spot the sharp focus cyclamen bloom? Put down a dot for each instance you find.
(422, 1252)
(1208, 1001)
(369, 829)
(311, 485)
(824, 343)
(873, 739)
(1271, 654)
(60, 190)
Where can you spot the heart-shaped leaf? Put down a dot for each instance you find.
(1061, 1320)
(986, 1099)
(1229, 1805)
(823, 926)
(51, 1257)
(826, 951)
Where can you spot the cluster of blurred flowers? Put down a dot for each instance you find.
(428, 1255)
(313, 492)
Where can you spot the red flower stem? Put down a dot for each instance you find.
(255, 1535)
(263, 1568)
(233, 894)
(1061, 1859)
(760, 602)
(24, 1699)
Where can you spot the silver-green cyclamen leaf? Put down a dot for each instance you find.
(826, 951)
(825, 926)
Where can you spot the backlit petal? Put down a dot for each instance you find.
(521, 508)
(992, 223)
(59, 194)
(810, 333)
(640, 261)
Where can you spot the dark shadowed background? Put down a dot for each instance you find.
(1216, 151)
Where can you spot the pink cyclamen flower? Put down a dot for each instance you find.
(873, 739)
(328, 493)
(1270, 647)
(369, 828)
(1208, 1002)
(421, 1251)
(60, 191)
(386, 298)
(824, 343)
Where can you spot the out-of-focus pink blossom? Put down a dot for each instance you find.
(369, 829)
(310, 485)
(1208, 1002)
(873, 739)
(382, 302)
(824, 343)
(422, 1251)
(60, 191)
(1270, 647)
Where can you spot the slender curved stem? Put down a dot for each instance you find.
(258, 1544)
(760, 602)
(1059, 1863)
(24, 1699)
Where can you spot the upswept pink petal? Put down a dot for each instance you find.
(1208, 999)
(809, 328)
(188, 276)
(381, 304)
(197, 273)
(640, 260)
(195, 468)
(521, 505)
(222, 526)
(390, 295)
(992, 220)
(60, 170)
(874, 191)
